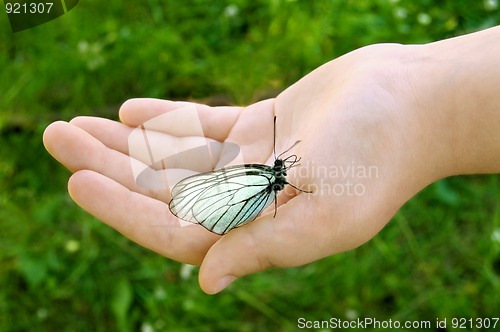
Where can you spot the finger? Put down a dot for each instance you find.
(140, 218)
(216, 122)
(149, 146)
(251, 127)
(77, 150)
(290, 239)
(111, 133)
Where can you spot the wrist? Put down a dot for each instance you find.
(428, 113)
(462, 84)
(420, 120)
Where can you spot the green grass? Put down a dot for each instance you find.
(60, 269)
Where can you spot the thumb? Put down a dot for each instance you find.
(283, 241)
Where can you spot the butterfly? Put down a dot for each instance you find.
(233, 196)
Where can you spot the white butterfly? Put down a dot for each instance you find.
(232, 196)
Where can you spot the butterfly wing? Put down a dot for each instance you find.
(224, 199)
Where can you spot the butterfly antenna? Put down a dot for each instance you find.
(302, 190)
(282, 153)
(274, 141)
(275, 206)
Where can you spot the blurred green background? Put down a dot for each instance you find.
(60, 269)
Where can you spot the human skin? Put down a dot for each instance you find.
(417, 113)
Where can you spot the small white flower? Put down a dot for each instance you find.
(400, 13)
(42, 313)
(495, 236)
(351, 314)
(186, 271)
(231, 10)
(160, 293)
(490, 4)
(83, 46)
(146, 327)
(424, 18)
(72, 246)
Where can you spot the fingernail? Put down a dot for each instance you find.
(223, 283)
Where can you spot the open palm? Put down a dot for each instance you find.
(359, 155)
